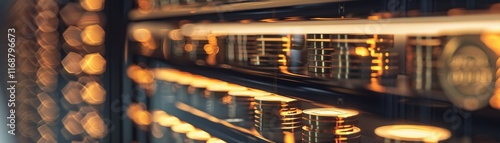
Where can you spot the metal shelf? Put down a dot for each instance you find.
(384, 105)
(214, 9)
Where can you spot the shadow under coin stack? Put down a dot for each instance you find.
(278, 118)
(319, 54)
(411, 134)
(330, 125)
(242, 105)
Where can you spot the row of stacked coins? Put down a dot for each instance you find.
(217, 101)
(278, 118)
(169, 128)
(324, 125)
(319, 53)
(242, 103)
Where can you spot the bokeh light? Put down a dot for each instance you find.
(48, 109)
(72, 123)
(71, 63)
(94, 125)
(142, 35)
(71, 13)
(71, 92)
(92, 5)
(72, 36)
(47, 134)
(93, 93)
(47, 21)
(93, 35)
(90, 18)
(93, 64)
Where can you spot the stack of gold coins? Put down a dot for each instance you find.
(277, 117)
(324, 125)
(196, 91)
(180, 130)
(217, 101)
(423, 52)
(319, 54)
(197, 136)
(165, 79)
(411, 134)
(351, 58)
(270, 51)
(242, 103)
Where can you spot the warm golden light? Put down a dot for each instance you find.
(490, 39)
(133, 109)
(221, 87)
(417, 133)
(188, 47)
(90, 18)
(168, 121)
(215, 140)
(275, 98)
(198, 135)
(47, 133)
(94, 125)
(71, 13)
(71, 92)
(72, 36)
(142, 35)
(495, 101)
(72, 123)
(47, 21)
(93, 93)
(175, 35)
(143, 117)
(93, 35)
(92, 5)
(166, 74)
(145, 6)
(48, 109)
(93, 64)
(71, 63)
(182, 128)
(362, 51)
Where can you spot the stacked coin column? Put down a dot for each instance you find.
(423, 53)
(218, 102)
(239, 47)
(319, 54)
(278, 118)
(241, 106)
(196, 91)
(270, 51)
(350, 61)
(181, 86)
(327, 125)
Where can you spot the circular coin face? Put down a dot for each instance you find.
(274, 98)
(416, 133)
(468, 72)
(329, 113)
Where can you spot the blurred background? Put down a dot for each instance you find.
(189, 71)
